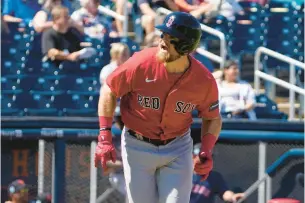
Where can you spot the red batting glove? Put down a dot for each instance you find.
(105, 150)
(203, 163)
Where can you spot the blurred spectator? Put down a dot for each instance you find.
(226, 8)
(205, 191)
(4, 27)
(17, 11)
(62, 41)
(119, 53)
(119, 5)
(218, 75)
(18, 192)
(152, 40)
(148, 8)
(195, 7)
(92, 19)
(237, 97)
(43, 18)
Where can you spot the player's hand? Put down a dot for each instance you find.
(203, 165)
(105, 150)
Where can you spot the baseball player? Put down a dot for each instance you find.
(159, 88)
(205, 191)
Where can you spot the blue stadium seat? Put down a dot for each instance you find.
(78, 103)
(11, 67)
(80, 84)
(39, 103)
(9, 105)
(12, 82)
(267, 109)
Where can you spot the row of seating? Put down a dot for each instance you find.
(48, 103)
(75, 103)
(49, 83)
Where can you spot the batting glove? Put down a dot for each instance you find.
(203, 163)
(105, 150)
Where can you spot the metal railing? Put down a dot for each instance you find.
(270, 172)
(123, 18)
(292, 77)
(223, 49)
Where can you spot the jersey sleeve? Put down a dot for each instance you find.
(209, 107)
(120, 81)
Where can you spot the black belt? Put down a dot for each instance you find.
(155, 142)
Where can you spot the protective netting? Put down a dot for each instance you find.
(238, 165)
(47, 186)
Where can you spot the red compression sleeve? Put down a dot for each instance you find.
(105, 125)
(208, 141)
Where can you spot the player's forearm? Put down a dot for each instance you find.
(107, 102)
(211, 126)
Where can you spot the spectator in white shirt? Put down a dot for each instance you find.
(119, 53)
(236, 97)
(92, 19)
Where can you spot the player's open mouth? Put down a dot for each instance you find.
(164, 48)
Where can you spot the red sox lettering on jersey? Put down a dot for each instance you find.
(158, 104)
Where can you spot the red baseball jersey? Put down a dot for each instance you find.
(158, 104)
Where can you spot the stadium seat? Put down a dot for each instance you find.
(80, 84)
(78, 103)
(267, 109)
(12, 82)
(39, 103)
(9, 105)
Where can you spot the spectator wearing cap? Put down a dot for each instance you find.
(62, 42)
(215, 185)
(18, 192)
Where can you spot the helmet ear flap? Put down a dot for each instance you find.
(182, 46)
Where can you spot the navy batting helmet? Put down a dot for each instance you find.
(185, 27)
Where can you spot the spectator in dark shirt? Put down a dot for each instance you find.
(205, 191)
(62, 42)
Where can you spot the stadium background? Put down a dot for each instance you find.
(26, 119)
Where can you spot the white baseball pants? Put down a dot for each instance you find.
(157, 174)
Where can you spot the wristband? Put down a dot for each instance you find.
(105, 122)
(208, 141)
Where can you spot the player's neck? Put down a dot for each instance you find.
(179, 65)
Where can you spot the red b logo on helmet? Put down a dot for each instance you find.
(170, 21)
